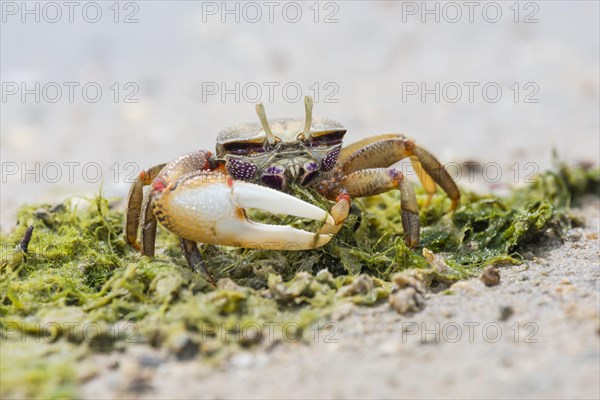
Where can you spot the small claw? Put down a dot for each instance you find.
(204, 209)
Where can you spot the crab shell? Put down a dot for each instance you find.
(288, 130)
(292, 157)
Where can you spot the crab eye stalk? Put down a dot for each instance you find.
(260, 110)
(308, 107)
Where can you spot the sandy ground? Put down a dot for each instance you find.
(535, 335)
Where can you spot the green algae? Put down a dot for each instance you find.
(81, 290)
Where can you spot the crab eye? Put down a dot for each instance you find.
(243, 148)
(329, 139)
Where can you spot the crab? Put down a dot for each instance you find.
(202, 197)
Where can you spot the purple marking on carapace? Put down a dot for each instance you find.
(329, 160)
(240, 170)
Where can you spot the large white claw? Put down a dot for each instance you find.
(205, 209)
(249, 195)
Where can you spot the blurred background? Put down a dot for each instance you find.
(93, 92)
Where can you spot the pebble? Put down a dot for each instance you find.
(592, 236)
(184, 347)
(362, 284)
(573, 235)
(490, 276)
(506, 312)
(407, 300)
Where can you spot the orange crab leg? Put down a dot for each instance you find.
(372, 181)
(385, 150)
(134, 203)
(339, 212)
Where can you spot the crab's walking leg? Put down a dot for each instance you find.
(436, 171)
(138, 206)
(339, 212)
(134, 203)
(148, 228)
(426, 180)
(194, 259)
(385, 150)
(372, 181)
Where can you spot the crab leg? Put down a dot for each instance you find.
(194, 259)
(209, 207)
(426, 180)
(139, 205)
(339, 212)
(436, 171)
(148, 228)
(134, 203)
(369, 182)
(385, 150)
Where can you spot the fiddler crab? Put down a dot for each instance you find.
(202, 197)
